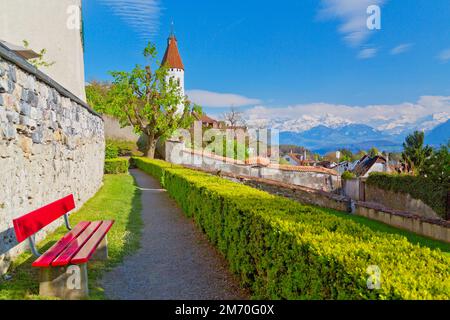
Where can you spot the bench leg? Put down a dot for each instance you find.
(68, 283)
(101, 253)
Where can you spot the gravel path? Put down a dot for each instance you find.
(175, 261)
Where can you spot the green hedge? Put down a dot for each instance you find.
(116, 166)
(347, 175)
(431, 193)
(284, 250)
(111, 151)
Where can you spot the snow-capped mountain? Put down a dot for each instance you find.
(323, 134)
(304, 123)
(401, 126)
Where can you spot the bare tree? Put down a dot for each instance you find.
(234, 118)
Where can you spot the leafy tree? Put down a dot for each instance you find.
(437, 166)
(359, 155)
(415, 152)
(346, 155)
(97, 94)
(39, 61)
(373, 152)
(347, 175)
(149, 101)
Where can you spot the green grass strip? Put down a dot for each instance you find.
(118, 199)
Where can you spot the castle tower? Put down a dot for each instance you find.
(172, 60)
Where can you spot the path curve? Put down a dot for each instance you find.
(175, 261)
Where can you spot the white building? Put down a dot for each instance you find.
(54, 25)
(172, 60)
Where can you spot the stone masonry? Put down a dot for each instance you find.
(51, 145)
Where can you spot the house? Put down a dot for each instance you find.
(208, 122)
(55, 26)
(367, 165)
(293, 159)
(327, 164)
(345, 166)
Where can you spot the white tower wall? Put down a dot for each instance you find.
(178, 76)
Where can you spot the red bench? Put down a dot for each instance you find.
(63, 267)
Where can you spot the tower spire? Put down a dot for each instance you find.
(172, 29)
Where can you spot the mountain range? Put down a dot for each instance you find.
(332, 133)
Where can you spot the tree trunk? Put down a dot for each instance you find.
(151, 147)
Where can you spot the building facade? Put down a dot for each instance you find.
(53, 25)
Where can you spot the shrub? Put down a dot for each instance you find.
(430, 192)
(347, 175)
(124, 148)
(116, 166)
(111, 151)
(284, 250)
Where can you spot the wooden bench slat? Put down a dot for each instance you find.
(47, 258)
(91, 245)
(29, 224)
(64, 258)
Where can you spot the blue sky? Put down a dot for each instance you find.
(282, 55)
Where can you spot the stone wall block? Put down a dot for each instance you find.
(50, 146)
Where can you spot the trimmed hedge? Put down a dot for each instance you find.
(116, 166)
(284, 250)
(430, 192)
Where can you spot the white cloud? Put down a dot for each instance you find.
(423, 114)
(219, 100)
(353, 17)
(444, 56)
(367, 53)
(402, 48)
(142, 15)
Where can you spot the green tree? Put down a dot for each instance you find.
(97, 95)
(373, 152)
(149, 102)
(437, 166)
(359, 155)
(415, 152)
(346, 155)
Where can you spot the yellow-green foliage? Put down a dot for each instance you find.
(284, 250)
(116, 166)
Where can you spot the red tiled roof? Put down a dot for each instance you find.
(172, 58)
(287, 167)
(205, 119)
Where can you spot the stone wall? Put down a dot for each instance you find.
(432, 228)
(398, 201)
(51, 145)
(358, 190)
(310, 177)
(114, 131)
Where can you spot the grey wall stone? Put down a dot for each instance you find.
(114, 131)
(176, 153)
(50, 147)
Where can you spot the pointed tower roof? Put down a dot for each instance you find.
(172, 57)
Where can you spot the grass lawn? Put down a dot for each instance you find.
(118, 199)
(382, 227)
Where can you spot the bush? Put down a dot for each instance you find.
(432, 193)
(124, 148)
(111, 151)
(284, 250)
(116, 166)
(347, 175)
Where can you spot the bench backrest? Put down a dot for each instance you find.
(29, 224)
